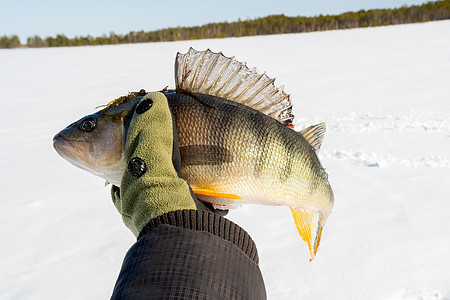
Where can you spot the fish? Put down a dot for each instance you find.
(236, 140)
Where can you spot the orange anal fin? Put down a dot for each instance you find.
(212, 193)
(309, 228)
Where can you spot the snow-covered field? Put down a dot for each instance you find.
(383, 92)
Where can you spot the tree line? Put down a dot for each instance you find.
(274, 24)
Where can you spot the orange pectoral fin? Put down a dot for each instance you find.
(212, 193)
(309, 228)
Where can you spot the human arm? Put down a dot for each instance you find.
(183, 250)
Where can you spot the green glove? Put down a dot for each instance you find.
(152, 185)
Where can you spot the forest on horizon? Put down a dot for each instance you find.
(274, 24)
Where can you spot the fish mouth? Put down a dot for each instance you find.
(72, 151)
(62, 145)
(78, 153)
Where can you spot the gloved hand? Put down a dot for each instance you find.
(152, 184)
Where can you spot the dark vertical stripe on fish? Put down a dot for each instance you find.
(287, 169)
(205, 155)
(261, 134)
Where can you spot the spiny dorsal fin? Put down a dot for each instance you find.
(314, 135)
(214, 74)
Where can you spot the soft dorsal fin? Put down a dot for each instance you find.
(214, 74)
(314, 135)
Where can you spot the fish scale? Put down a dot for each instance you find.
(266, 155)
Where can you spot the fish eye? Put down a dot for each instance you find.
(88, 124)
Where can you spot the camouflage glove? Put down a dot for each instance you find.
(151, 184)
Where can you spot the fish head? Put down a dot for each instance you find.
(96, 142)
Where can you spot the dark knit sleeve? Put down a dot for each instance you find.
(191, 254)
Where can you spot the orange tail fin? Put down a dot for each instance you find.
(309, 227)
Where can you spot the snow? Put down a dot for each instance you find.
(384, 94)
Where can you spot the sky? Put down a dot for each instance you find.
(97, 17)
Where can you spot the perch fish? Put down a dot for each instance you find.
(237, 144)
